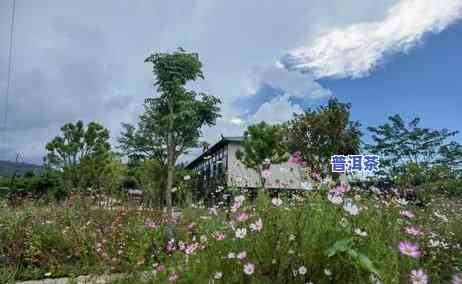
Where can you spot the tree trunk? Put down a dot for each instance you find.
(168, 191)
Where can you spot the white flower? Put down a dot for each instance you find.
(249, 268)
(351, 208)
(239, 198)
(291, 251)
(327, 272)
(361, 233)
(242, 255)
(291, 237)
(174, 189)
(276, 202)
(336, 199)
(344, 222)
(231, 255)
(218, 275)
(402, 201)
(374, 279)
(241, 233)
(48, 274)
(187, 177)
(302, 270)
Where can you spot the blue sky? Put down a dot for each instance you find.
(84, 60)
(426, 82)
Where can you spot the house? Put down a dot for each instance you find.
(218, 166)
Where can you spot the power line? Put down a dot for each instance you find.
(10, 66)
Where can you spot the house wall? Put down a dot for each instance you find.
(285, 175)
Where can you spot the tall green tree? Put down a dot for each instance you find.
(172, 121)
(408, 150)
(320, 133)
(263, 144)
(80, 153)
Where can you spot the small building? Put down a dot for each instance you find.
(218, 166)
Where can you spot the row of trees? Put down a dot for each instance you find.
(171, 125)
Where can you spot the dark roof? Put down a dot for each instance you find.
(224, 140)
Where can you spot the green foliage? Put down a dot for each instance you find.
(319, 134)
(172, 121)
(412, 155)
(81, 153)
(263, 144)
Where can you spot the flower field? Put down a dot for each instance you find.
(331, 234)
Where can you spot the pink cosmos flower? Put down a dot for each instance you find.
(457, 279)
(191, 248)
(150, 224)
(407, 214)
(413, 231)
(236, 206)
(172, 277)
(242, 255)
(249, 268)
(191, 226)
(160, 268)
(242, 217)
(257, 226)
(418, 277)
(409, 249)
(297, 159)
(219, 236)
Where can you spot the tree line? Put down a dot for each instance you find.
(82, 159)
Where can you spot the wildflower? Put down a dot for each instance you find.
(48, 274)
(302, 270)
(218, 275)
(402, 201)
(257, 226)
(266, 174)
(441, 216)
(239, 198)
(242, 255)
(413, 231)
(291, 251)
(327, 272)
(457, 279)
(241, 233)
(231, 255)
(374, 279)
(174, 189)
(236, 205)
(249, 269)
(160, 268)
(336, 199)
(407, 214)
(291, 237)
(418, 277)
(409, 249)
(351, 208)
(219, 236)
(150, 224)
(191, 226)
(172, 277)
(187, 177)
(276, 202)
(361, 233)
(191, 248)
(242, 217)
(433, 243)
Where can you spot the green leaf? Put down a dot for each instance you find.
(340, 246)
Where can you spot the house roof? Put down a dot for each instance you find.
(223, 141)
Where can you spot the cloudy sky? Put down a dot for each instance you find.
(83, 60)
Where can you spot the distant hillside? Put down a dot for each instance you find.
(8, 168)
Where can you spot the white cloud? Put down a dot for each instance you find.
(356, 50)
(293, 83)
(278, 110)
